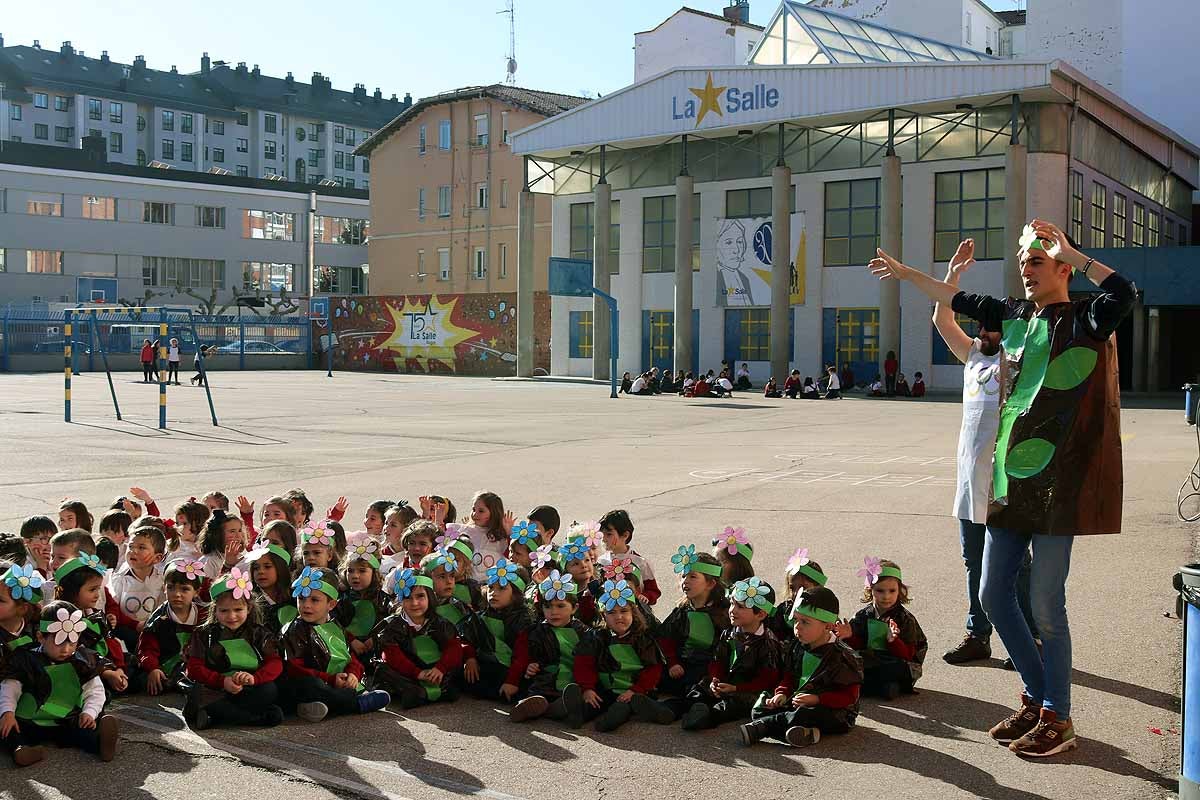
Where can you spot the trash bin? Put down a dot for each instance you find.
(1189, 768)
(1191, 398)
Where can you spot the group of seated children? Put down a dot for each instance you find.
(302, 618)
(903, 389)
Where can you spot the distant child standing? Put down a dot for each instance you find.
(173, 361)
(886, 634)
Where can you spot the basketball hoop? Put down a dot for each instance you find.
(317, 317)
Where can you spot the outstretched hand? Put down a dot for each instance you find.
(961, 261)
(884, 266)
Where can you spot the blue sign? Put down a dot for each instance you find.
(762, 243)
(319, 305)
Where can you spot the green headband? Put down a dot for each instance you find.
(271, 548)
(815, 613)
(82, 561)
(815, 575)
(236, 581)
(712, 570)
(891, 572)
(311, 580)
(463, 548)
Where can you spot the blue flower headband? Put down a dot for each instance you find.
(441, 558)
(406, 580)
(752, 593)
(311, 580)
(504, 573)
(557, 586)
(575, 550)
(81, 561)
(24, 583)
(618, 593)
(687, 560)
(526, 533)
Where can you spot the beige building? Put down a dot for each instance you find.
(444, 190)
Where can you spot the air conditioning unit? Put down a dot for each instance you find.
(327, 182)
(275, 178)
(219, 171)
(156, 164)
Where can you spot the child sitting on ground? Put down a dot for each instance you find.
(20, 603)
(271, 571)
(363, 604)
(886, 634)
(80, 582)
(617, 531)
(442, 568)
(115, 525)
(137, 584)
(801, 573)
(689, 634)
(36, 533)
(821, 679)
(420, 649)
(222, 545)
(491, 636)
(545, 659)
(190, 519)
(164, 640)
(578, 558)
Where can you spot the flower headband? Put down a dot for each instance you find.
(320, 534)
(873, 570)
(504, 573)
(798, 564)
(255, 555)
(525, 533)
(236, 582)
(543, 556)
(752, 593)
(557, 586)
(735, 542)
(312, 579)
(364, 550)
(1030, 241)
(192, 570)
(66, 628)
(407, 579)
(81, 561)
(616, 593)
(621, 568)
(588, 531)
(575, 550)
(24, 583)
(687, 560)
(444, 559)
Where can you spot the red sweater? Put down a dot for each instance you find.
(296, 669)
(763, 679)
(452, 658)
(588, 677)
(199, 672)
(840, 698)
(897, 647)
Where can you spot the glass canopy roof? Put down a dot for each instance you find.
(800, 34)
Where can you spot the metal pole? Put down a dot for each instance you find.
(94, 340)
(162, 369)
(242, 339)
(329, 348)
(203, 372)
(67, 366)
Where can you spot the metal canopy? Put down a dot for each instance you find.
(800, 34)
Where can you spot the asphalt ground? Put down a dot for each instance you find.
(844, 479)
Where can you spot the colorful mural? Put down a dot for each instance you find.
(461, 334)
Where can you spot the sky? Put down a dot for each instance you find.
(572, 46)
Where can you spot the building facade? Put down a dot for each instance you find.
(221, 118)
(868, 138)
(965, 23)
(76, 230)
(693, 38)
(444, 201)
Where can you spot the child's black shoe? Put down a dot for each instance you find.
(199, 720)
(106, 731)
(529, 708)
(312, 712)
(799, 736)
(412, 697)
(28, 756)
(697, 718)
(647, 710)
(271, 717)
(614, 717)
(572, 698)
(753, 732)
(889, 691)
(373, 701)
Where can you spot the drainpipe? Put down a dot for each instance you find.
(310, 248)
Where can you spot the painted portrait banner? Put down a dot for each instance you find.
(743, 261)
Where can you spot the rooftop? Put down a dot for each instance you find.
(709, 14)
(1011, 17)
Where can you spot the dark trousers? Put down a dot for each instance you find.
(411, 692)
(727, 708)
(247, 707)
(972, 536)
(743, 383)
(66, 734)
(148, 371)
(173, 371)
(310, 689)
(889, 382)
(491, 676)
(888, 669)
(823, 718)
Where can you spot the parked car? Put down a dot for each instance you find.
(252, 346)
(56, 346)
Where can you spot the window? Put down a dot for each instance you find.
(243, 145)
(44, 262)
(210, 216)
(168, 120)
(443, 263)
(481, 195)
(581, 334)
(941, 353)
(341, 280)
(340, 230)
(1077, 206)
(1184, 241)
(504, 127)
(658, 233)
(1152, 221)
(350, 137)
(583, 230)
(168, 149)
(1119, 220)
(94, 207)
(443, 201)
(62, 133)
(1139, 225)
(420, 265)
(141, 123)
(243, 118)
(851, 222)
(752, 326)
(218, 127)
(339, 134)
(269, 149)
(503, 259)
(741, 203)
(44, 205)
(116, 142)
(268, 225)
(218, 155)
(158, 213)
(185, 123)
(350, 162)
(39, 100)
(314, 156)
(504, 192)
(242, 171)
(314, 131)
(421, 140)
(366, 166)
(421, 203)
(185, 151)
(444, 135)
(141, 158)
(1099, 215)
(95, 132)
(480, 138)
(14, 111)
(270, 123)
(185, 273)
(1168, 232)
(95, 108)
(62, 103)
(967, 37)
(480, 262)
(3, 261)
(969, 205)
(269, 276)
(40, 131)
(349, 183)
(338, 160)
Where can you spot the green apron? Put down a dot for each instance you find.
(174, 661)
(877, 633)
(563, 671)
(335, 642)
(364, 620)
(463, 592)
(66, 695)
(628, 666)
(101, 642)
(286, 613)
(808, 667)
(428, 655)
(19, 642)
(701, 633)
(503, 651)
(450, 613)
(242, 656)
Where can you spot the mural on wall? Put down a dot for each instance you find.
(743, 261)
(462, 334)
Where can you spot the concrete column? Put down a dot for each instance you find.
(781, 267)
(601, 279)
(199, 160)
(684, 186)
(891, 226)
(329, 153)
(1153, 360)
(82, 124)
(4, 112)
(1140, 357)
(1016, 214)
(525, 212)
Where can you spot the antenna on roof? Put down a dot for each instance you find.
(510, 66)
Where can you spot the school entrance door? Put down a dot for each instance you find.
(658, 340)
(850, 337)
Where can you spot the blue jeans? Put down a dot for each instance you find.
(971, 535)
(1047, 677)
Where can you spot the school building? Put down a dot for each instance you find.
(731, 210)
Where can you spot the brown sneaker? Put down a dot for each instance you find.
(971, 648)
(106, 731)
(27, 756)
(1019, 723)
(1048, 738)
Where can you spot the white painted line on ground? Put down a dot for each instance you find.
(825, 477)
(869, 479)
(918, 480)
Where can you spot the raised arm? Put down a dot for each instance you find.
(884, 266)
(943, 316)
(1119, 295)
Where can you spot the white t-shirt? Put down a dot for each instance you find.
(725, 384)
(173, 353)
(835, 383)
(638, 385)
(487, 552)
(137, 598)
(977, 437)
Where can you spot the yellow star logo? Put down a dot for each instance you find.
(422, 329)
(708, 99)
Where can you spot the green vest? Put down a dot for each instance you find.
(563, 671)
(184, 638)
(364, 620)
(877, 633)
(628, 666)
(463, 592)
(428, 655)
(101, 642)
(19, 642)
(285, 614)
(450, 613)
(242, 655)
(496, 628)
(66, 695)
(701, 632)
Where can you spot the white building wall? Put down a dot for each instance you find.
(691, 40)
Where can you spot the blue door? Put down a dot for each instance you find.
(850, 337)
(658, 340)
